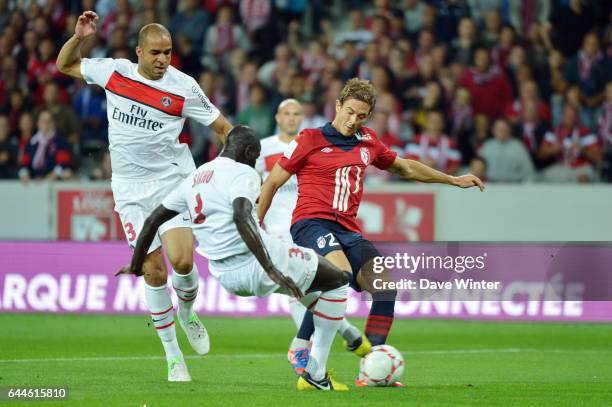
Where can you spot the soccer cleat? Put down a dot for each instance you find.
(299, 359)
(360, 347)
(328, 383)
(177, 370)
(196, 334)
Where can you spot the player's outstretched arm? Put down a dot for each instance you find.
(69, 58)
(278, 176)
(249, 232)
(160, 215)
(416, 171)
(222, 127)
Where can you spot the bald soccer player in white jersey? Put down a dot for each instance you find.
(247, 261)
(289, 117)
(147, 104)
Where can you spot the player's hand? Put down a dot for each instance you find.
(86, 25)
(468, 181)
(129, 270)
(285, 282)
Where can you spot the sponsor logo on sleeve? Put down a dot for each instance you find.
(198, 93)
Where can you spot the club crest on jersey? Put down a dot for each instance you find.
(321, 242)
(365, 155)
(166, 101)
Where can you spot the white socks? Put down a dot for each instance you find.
(297, 310)
(348, 331)
(162, 314)
(186, 287)
(328, 314)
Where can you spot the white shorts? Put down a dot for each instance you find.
(135, 201)
(242, 274)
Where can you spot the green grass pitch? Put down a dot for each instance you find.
(117, 360)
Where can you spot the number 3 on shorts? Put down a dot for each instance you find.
(130, 232)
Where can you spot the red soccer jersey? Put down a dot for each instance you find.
(330, 170)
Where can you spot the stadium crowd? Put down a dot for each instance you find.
(511, 90)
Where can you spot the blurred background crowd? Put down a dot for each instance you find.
(511, 90)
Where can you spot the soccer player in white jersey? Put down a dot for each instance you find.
(221, 196)
(147, 104)
(289, 117)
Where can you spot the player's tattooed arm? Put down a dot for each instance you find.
(416, 171)
(277, 178)
(69, 58)
(250, 234)
(160, 215)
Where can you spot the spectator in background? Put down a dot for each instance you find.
(531, 130)
(89, 103)
(492, 29)
(191, 23)
(575, 149)
(64, 119)
(47, 155)
(528, 91)
(488, 85)
(312, 118)
(16, 106)
(590, 69)
(434, 148)
(4, 14)
(433, 99)
(8, 152)
(258, 114)
(380, 124)
(221, 38)
(507, 158)
(462, 124)
(354, 30)
(258, 20)
(270, 72)
(568, 24)
(605, 132)
(500, 52)
(449, 13)
(523, 15)
(465, 44)
(24, 133)
(187, 56)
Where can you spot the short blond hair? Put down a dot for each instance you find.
(359, 89)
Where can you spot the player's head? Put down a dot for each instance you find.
(289, 117)
(154, 50)
(354, 106)
(242, 145)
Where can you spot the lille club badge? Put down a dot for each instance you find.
(365, 156)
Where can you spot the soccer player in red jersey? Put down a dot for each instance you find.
(330, 164)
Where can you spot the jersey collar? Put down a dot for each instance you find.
(337, 139)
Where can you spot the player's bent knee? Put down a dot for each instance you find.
(155, 276)
(182, 266)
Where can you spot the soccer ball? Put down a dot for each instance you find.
(381, 367)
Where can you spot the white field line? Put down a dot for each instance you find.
(280, 355)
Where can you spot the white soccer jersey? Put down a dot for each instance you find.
(208, 194)
(278, 218)
(145, 118)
